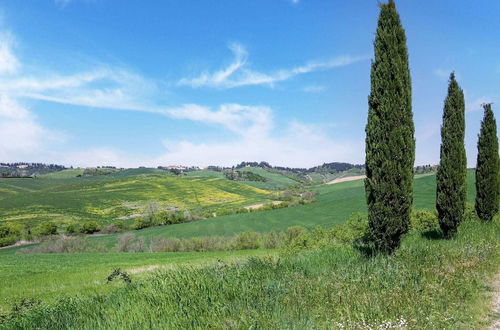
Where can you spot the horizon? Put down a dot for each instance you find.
(102, 83)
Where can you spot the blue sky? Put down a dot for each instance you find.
(148, 83)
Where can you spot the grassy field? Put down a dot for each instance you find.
(426, 284)
(47, 276)
(62, 198)
(335, 203)
(275, 180)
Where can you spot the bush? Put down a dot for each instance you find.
(247, 241)
(90, 227)
(9, 234)
(45, 229)
(66, 245)
(72, 228)
(424, 221)
(129, 243)
(110, 229)
(143, 222)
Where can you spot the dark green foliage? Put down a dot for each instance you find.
(487, 169)
(451, 192)
(390, 146)
(46, 229)
(90, 227)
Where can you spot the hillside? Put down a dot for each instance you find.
(63, 197)
(335, 203)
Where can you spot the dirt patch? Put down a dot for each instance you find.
(495, 310)
(258, 206)
(347, 178)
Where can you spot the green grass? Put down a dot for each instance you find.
(335, 203)
(108, 197)
(47, 276)
(64, 174)
(275, 181)
(426, 284)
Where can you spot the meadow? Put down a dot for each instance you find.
(62, 197)
(48, 276)
(335, 203)
(427, 283)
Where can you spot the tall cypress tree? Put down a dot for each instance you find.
(487, 169)
(451, 176)
(390, 145)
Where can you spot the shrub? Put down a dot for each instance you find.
(424, 221)
(66, 245)
(143, 222)
(90, 227)
(160, 244)
(110, 229)
(247, 241)
(9, 234)
(72, 228)
(45, 229)
(129, 243)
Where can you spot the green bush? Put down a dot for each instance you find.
(71, 228)
(90, 227)
(45, 229)
(424, 221)
(247, 241)
(9, 234)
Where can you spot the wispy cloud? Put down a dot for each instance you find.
(444, 74)
(8, 62)
(314, 89)
(22, 137)
(238, 73)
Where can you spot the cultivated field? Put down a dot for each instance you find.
(62, 197)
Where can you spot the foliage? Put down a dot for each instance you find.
(424, 221)
(65, 245)
(451, 193)
(90, 227)
(488, 168)
(45, 229)
(390, 146)
(9, 234)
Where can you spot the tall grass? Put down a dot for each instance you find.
(427, 283)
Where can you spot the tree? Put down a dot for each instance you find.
(451, 193)
(487, 169)
(390, 145)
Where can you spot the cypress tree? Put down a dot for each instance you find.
(451, 176)
(487, 169)
(390, 145)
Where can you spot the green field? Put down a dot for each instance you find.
(275, 180)
(47, 276)
(427, 284)
(335, 203)
(62, 198)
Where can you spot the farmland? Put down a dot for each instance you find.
(64, 198)
(335, 203)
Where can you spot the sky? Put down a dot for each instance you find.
(175, 82)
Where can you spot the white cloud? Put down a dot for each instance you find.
(23, 138)
(477, 103)
(238, 73)
(314, 89)
(8, 62)
(300, 146)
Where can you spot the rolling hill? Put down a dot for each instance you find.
(63, 197)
